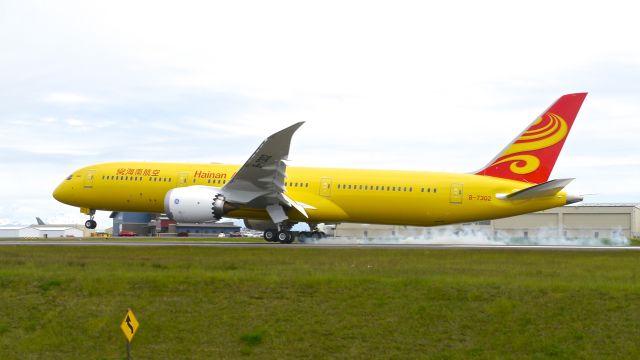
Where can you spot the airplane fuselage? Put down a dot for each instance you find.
(329, 195)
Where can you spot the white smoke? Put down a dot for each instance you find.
(471, 236)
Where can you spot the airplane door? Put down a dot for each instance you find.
(182, 179)
(455, 196)
(325, 187)
(88, 179)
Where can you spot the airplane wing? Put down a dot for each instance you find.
(260, 181)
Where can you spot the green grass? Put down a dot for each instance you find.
(296, 303)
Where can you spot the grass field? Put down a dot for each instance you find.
(288, 303)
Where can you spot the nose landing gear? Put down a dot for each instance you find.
(90, 224)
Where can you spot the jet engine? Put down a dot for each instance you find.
(196, 204)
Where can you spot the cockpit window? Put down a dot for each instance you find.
(69, 177)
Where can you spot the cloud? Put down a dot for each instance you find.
(413, 85)
(62, 98)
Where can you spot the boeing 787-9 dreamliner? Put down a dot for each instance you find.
(272, 197)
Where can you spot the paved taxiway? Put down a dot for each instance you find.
(310, 245)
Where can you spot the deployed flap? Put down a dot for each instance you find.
(261, 179)
(292, 203)
(276, 213)
(549, 188)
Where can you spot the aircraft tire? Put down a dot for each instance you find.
(283, 237)
(90, 224)
(291, 236)
(269, 235)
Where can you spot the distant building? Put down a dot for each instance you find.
(599, 221)
(52, 231)
(18, 232)
(40, 231)
(145, 224)
(139, 223)
(208, 229)
(604, 221)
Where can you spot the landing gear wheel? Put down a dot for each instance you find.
(291, 237)
(269, 235)
(90, 224)
(284, 237)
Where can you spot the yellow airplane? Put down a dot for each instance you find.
(272, 197)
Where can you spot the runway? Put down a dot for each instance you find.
(319, 245)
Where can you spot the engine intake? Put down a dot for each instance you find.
(196, 204)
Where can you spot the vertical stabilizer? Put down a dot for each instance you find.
(532, 155)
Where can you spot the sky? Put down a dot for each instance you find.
(440, 86)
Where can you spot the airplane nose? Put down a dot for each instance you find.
(58, 193)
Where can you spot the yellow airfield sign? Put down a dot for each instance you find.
(129, 325)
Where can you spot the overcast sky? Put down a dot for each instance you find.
(395, 85)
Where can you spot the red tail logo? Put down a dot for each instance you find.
(532, 155)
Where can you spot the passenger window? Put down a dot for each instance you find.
(224, 181)
(307, 185)
(338, 186)
(410, 189)
(360, 187)
(349, 187)
(434, 190)
(388, 188)
(209, 181)
(429, 190)
(404, 189)
(394, 188)
(376, 187)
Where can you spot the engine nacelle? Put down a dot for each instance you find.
(195, 204)
(261, 225)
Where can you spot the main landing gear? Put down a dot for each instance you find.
(283, 237)
(287, 236)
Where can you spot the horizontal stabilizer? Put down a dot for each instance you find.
(548, 188)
